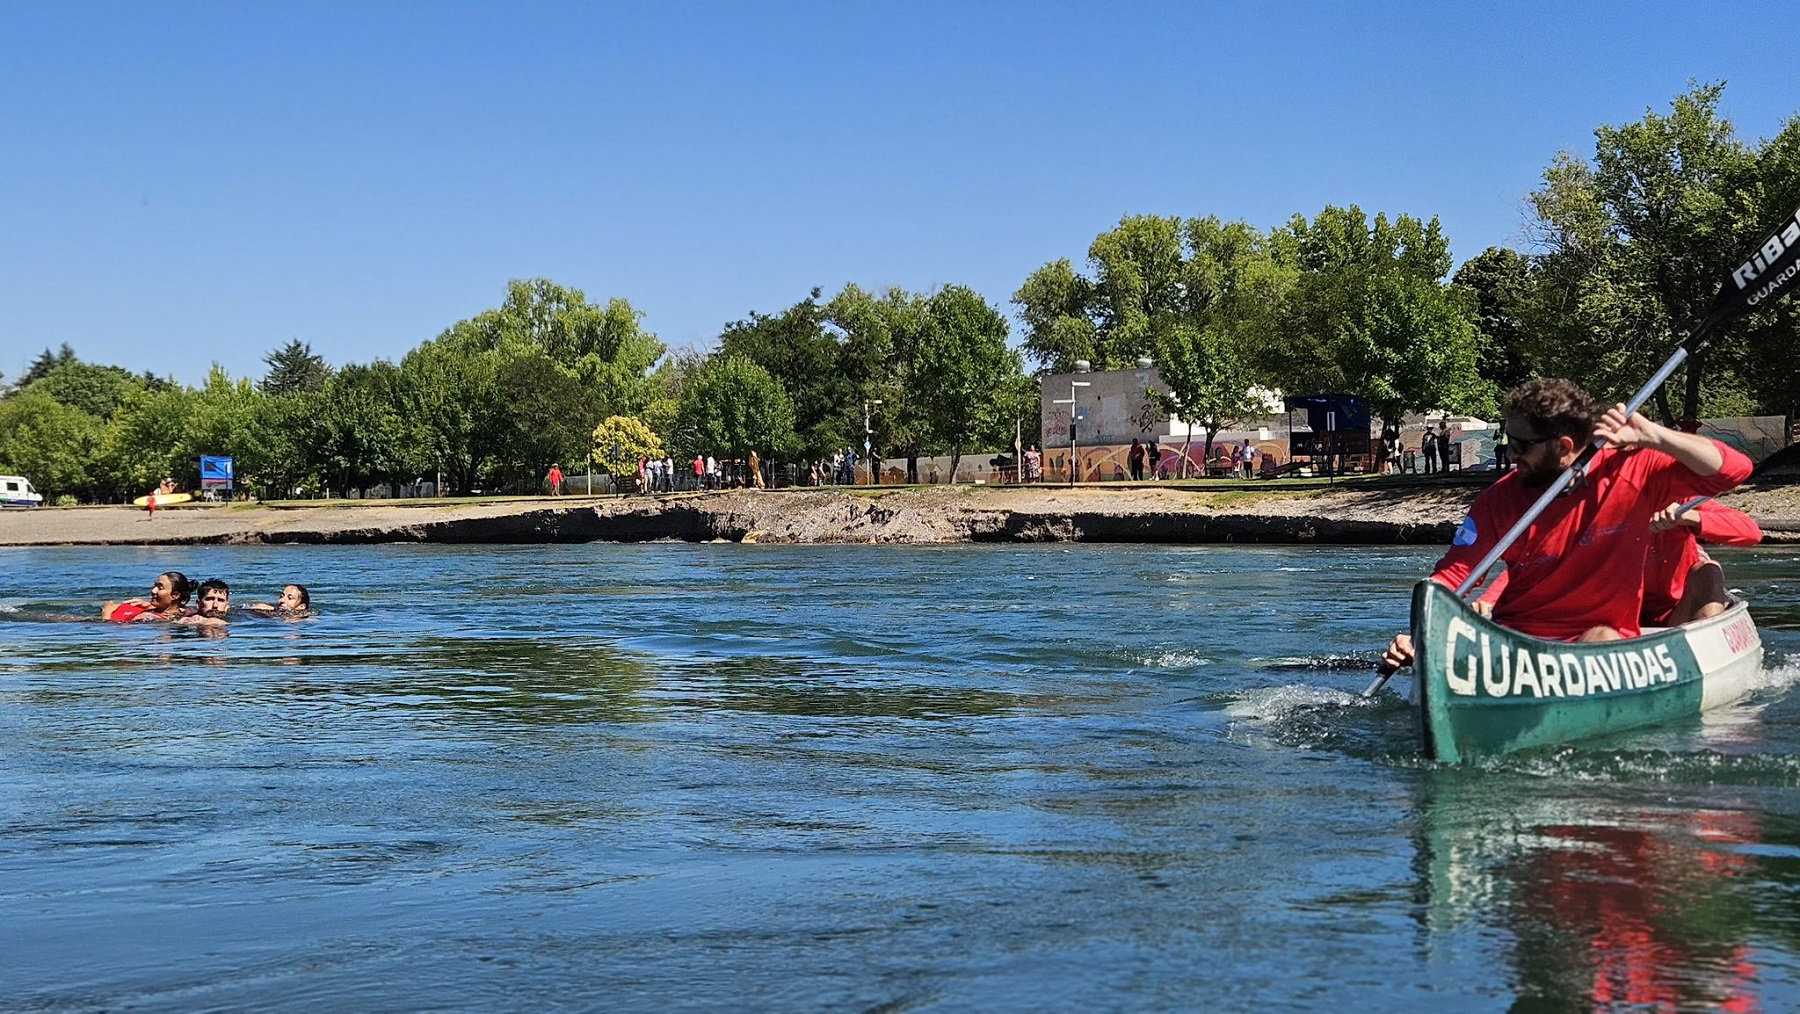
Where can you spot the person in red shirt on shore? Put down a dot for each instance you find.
(1577, 572)
(1682, 583)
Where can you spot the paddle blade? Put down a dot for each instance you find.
(1771, 272)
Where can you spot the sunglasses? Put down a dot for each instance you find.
(1527, 443)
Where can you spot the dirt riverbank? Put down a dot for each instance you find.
(1348, 513)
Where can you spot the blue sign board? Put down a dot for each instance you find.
(215, 473)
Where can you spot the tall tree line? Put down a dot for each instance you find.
(1625, 249)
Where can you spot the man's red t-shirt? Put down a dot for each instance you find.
(1674, 551)
(1581, 563)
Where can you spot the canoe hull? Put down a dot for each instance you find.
(1482, 690)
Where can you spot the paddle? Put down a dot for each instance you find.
(1768, 276)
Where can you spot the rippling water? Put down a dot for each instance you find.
(876, 778)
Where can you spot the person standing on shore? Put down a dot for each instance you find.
(1135, 459)
(555, 479)
(1155, 461)
(1428, 446)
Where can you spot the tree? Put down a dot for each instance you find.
(1056, 305)
(797, 350)
(1139, 269)
(601, 346)
(960, 372)
(1233, 290)
(294, 368)
(52, 444)
(227, 417)
(1499, 281)
(97, 390)
(1413, 345)
(1634, 244)
(734, 406)
(146, 441)
(548, 415)
(1370, 314)
(452, 397)
(42, 366)
(619, 443)
(363, 435)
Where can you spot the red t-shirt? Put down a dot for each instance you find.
(1581, 563)
(1674, 551)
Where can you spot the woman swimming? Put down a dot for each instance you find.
(168, 595)
(295, 600)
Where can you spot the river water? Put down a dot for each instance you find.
(847, 778)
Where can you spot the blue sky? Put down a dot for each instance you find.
(188, 183)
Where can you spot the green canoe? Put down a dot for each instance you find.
(1482, 690)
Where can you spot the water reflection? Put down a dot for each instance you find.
(1607, 903)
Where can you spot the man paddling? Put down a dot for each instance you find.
(1681, 582)
(1577, 573)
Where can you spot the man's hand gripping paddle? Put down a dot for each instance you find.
(1771, 273)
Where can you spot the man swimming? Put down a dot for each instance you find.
(215, 603)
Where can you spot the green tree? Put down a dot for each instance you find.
(452, 398)
(734, 406)
(1499, 282)
(602, 346)
(1056, 304)
(1370, 314)
(97, 390)
(294, 368)
(1139, 284)
(54, 445)
(146, 442)
(363, 435)
(548, 416)
(1636, 241)
(961, 370)
(42, 366)
(801, 354)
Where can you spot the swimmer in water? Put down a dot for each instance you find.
(167, 598)
(295, 600)
(215, 603)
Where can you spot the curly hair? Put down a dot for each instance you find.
(1555, 407)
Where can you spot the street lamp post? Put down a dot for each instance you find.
(1073, 384)
(874, 470)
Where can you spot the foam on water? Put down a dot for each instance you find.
(1273, 704)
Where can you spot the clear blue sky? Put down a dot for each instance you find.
(196, 182)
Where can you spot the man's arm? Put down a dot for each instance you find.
(1702, 456)
(1724, 526)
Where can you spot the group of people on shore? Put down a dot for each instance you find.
(172, 591)
(1616, 552)
(705, 472)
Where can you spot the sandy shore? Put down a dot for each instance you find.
(1349, 513)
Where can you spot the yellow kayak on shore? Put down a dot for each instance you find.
(164, 499)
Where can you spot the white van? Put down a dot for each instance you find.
(16, 491)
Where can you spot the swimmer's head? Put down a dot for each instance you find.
(294, 598)
(215, 598)
(172, 588)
